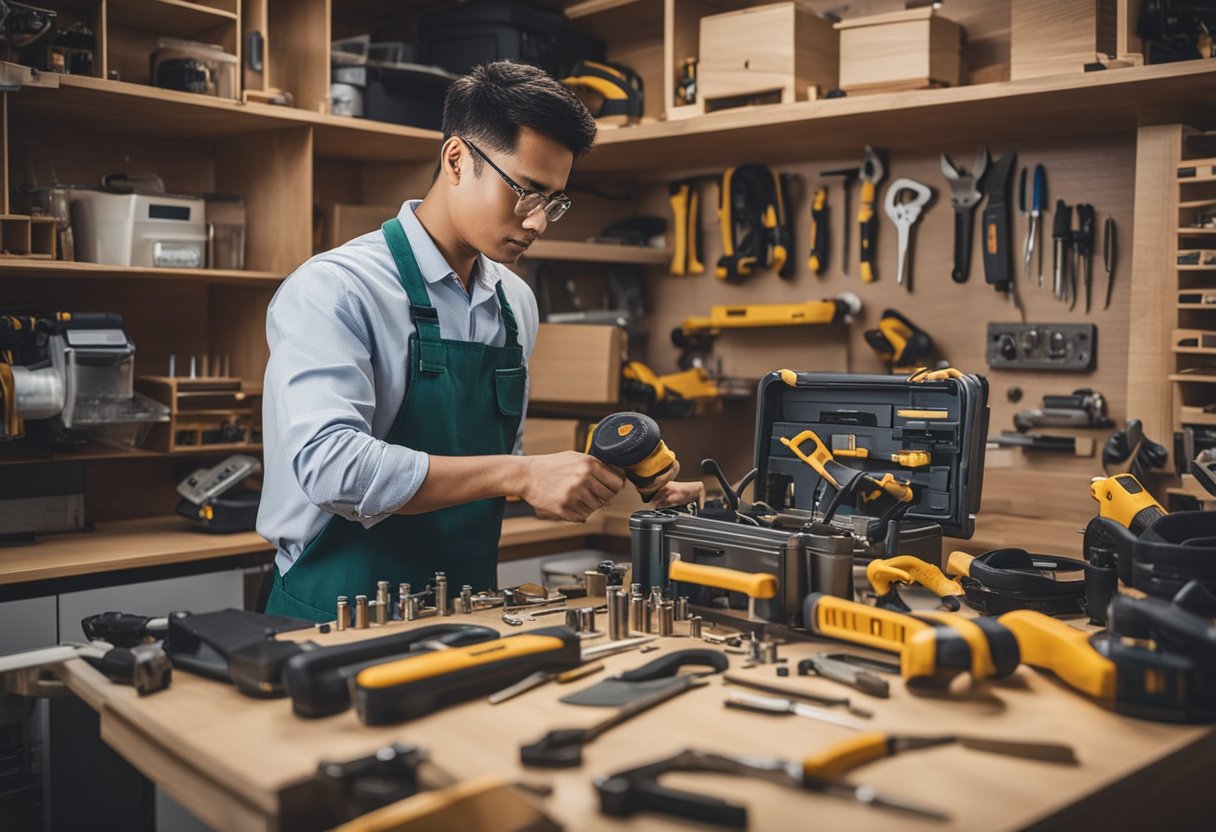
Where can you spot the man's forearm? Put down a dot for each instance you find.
(455, 480)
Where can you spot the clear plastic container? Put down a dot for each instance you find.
(194, 67)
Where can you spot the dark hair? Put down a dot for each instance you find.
(492, 102)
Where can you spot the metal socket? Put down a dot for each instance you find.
(770, 652)
(682, 608)
(361, 612)
(403, 600)
(411, 608)
(754, 651)
(667, 618)
(572, 620)
(618, 613)
(343, 620)
(586, 620)
(694, 626)
(637, 614)
(466, 599)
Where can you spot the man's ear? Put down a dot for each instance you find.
(450, 157)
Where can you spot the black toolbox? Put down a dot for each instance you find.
(865, 420)
(782, 537)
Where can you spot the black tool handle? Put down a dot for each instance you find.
(964, 227)
(997, 245)
(868, 234)
(670, 664)
(625, 796)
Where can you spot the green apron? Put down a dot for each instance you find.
(461, 399)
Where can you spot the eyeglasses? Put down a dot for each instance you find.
(555, 205)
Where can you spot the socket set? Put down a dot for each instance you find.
(1071, 347)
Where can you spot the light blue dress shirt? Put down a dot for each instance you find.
(339, 330)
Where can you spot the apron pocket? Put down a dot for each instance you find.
(509, 390)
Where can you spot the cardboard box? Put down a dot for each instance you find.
(781, 46)
(552, 436)
(913, 49)
(577, 363)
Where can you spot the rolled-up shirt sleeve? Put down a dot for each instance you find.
(529, 323)
(321, 377)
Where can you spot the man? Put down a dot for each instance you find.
(397, 382)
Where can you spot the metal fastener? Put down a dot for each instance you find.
(694, 626)
(667, 618)
(682, 608)
(361, 612)
(403, 600)
(441, 594)
(382, 602)
(586, 620)
(466, 599)
(343, 613)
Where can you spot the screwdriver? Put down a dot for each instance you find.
(1083, 248)
(842, 757)
(820, 234)
(1061, 233)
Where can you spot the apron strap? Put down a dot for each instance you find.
(508, 316)
(424, 316)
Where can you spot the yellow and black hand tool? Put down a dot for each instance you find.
(821, 234)
(885, 575)
(900, 343)
(873, 171)
(618, 89)
(686, 256)
(626, 793)
(1008, 579)
(415, 686)
(844, 756)
(1156, 660)
(632, 441)
(681, 394)
(933, 648)
(757, 586)
(1123, 499)
(847, 481)
(838, 310)
(756, 233)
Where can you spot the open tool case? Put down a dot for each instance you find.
(867, 422)
(760, 560)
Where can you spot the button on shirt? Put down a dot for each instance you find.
(339, 330)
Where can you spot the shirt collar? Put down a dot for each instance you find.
(431, 262)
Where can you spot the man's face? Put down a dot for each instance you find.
(485, 205)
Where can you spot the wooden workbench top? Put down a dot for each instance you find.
(228, 758)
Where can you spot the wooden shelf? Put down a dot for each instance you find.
(1211, 268)
(1192, 378)
(587, 8)
(29, 456)
(1196, 232)
(41, 269)
(168, 18)
(1195, 180)
(597, 253)
(1116, 100)
(118, 107)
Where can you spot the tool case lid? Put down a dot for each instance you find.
(871, 417)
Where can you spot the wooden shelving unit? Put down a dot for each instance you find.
(597, 253)
(17, 269)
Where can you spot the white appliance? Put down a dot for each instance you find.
(133, 229)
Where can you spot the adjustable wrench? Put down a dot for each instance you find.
(965, 194)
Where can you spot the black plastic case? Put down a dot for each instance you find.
(884, 414)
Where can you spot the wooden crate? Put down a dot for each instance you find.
(577, 363)
(780, 47)
(913, 49)
(1053, 37)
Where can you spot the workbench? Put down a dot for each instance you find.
(231, 759)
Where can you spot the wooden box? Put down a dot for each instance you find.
(779, 47)
(1054, 37)
(906, 50)
(577, 363)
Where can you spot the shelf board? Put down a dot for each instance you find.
(1191, 378)
(120, 107)
(1195, 180)
(1196, 232)
(618, 21)
(1196, 306)
(1063, 105)
(1197, 203)
(42, 269)
(586, 8)
(1197, 418)
(597, 252)
(31, 456)
(167, 18)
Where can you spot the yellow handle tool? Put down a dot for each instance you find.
(912, 459)
(678, 197)
(752, 584)
(693, 237)
(1123, 499)
(417, 685)
(842, 757)
(959, 563)
(818, 458)
(1050, 644)
(901, 490)
(818, 261)
(884, 574)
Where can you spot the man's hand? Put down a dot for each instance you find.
(661, 481)
(569, 485)
(677, 494)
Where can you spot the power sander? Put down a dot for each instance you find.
(632, 441)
